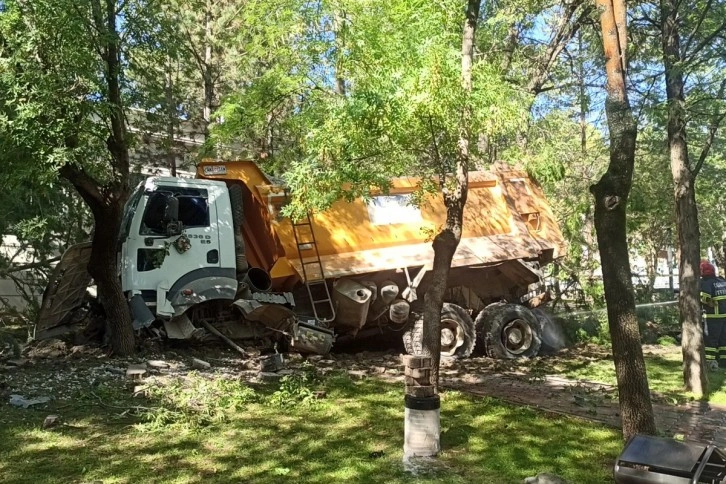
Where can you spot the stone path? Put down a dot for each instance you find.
(696, 421)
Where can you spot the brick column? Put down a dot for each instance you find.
(422, 409)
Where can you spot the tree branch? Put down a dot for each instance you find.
(712, 129)
(87, 187)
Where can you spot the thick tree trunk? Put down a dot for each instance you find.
(106, 204)
(694, 374)
(446, 241)
(611, 195)
(445, 244)
(103, 268)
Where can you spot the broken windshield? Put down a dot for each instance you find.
(193, 209)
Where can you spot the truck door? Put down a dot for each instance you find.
(153, 258)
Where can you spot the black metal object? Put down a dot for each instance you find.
(422, 403)
(654, 460)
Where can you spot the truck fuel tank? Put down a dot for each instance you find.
(352, 301)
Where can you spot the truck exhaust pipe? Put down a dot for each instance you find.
(257, 280)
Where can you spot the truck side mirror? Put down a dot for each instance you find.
(171, 217)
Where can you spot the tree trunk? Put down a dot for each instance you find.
(694, 374)
(445, 244)
(611, 195)
(104, 271)
(446, 241)
(171, 120)
(208, 80)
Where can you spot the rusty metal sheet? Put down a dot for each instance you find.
(65, 291)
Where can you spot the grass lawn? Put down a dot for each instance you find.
(217, 430)
(663, 363)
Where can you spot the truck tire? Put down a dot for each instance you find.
(236, 200)
(485, 314)
(509, 331)
(457, 333)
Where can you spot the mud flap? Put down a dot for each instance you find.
(140, 312)
(179, 327)
(312, 339)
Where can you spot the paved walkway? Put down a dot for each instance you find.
(696, 421)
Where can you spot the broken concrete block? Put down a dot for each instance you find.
(21, 401)
(135, 372)
(158, 364)
(198, 364)
(140, 390)
(51, 421)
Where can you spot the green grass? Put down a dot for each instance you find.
(283, 434)
(664, 367)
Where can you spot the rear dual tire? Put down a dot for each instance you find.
(457, 333)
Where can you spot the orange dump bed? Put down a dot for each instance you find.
(506, 218)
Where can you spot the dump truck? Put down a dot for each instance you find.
(216, 253)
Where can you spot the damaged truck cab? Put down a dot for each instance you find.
(177, 247)
(215, 252)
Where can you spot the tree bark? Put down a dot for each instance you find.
(455, 194)
(611, 195)
(207, 77)
(171, 119)
(692, 345)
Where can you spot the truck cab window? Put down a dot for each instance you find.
(193, 209)
(153, 221)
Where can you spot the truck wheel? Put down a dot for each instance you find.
(236, 200)
(485, 314)
(509, 331)
(457, 333)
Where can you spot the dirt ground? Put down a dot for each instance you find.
(57, 370)
(54, 370)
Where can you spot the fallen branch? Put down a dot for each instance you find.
(229, 342)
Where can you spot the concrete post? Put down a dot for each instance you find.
(422, 428)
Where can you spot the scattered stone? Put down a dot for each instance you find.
(545, 478)
(358, 373)
(21, 401)
(140, 390)
(51, 421)
(198, 364)
(271, 363)
(135, 371)
(18, 362)
(79, 351)
(268, 376)
(157, 364)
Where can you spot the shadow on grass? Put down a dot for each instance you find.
(355, 434)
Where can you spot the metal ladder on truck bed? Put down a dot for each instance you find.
(312, 271)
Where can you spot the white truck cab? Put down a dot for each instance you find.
(177, 247)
